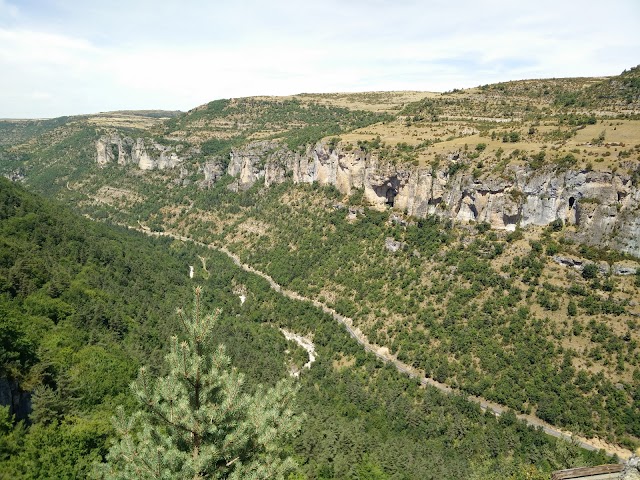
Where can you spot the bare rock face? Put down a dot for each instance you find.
(15, 176)
(249, 164)
(154, 156)
(604, 206)
(141, 156)
(632, 468)
(104, 153)
(567, 261)
(212, 171)
(125, 151)
(12, 395)
(393, 245)
(110, 148)
(624, 268)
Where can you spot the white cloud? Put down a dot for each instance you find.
(41, 96)
(8, 11)
(96, 56)
(35, 48)
(39, 62)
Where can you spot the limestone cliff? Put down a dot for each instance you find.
(632, 468)
(604, 206)
(147, 155)
(110, 148)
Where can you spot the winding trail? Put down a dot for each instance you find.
(383, 354)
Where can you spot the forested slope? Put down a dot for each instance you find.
(532, 319)
(84, 304)
(491, 312)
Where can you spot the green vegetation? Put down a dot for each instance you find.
(512, 137)
(196, 422)
(13, 132)
(292, 121)
(441, 301)
(85, 304)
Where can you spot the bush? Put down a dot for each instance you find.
(552, 249)
(515, 235)
(590, 271)
(483, 227)
(511, 137)
(557, 225)
(566, 162)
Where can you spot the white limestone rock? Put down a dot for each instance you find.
(605, 207)
(125, 151)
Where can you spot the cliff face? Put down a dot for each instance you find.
(604, 206)
(18, 401)
(126, 151)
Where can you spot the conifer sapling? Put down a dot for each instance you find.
(196, 422)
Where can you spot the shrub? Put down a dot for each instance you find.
(557, 225)
(590, 271)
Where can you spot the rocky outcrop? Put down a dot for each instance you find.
(393, 245)
(632, 468)
(15, 176)
(618, 268)
(212, 172)
(152, 155)
(113, 148)
(147, 155)
(18, 401)
(604, 206)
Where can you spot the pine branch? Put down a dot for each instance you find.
(164, 418)
(197, 422)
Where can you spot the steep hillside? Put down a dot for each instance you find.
(489, 237)
(620, 93)
(13, 132)
(296, 121)
(539, 323)
(84, 304)
(514, 153)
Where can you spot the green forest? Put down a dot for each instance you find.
(449, 302)
(84, 305)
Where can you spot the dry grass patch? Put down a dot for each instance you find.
(344, 362)
(117, 196)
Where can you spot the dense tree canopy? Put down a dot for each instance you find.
(83, 305)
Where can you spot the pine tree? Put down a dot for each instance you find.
(196, 422)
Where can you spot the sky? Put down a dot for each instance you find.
(68, 57)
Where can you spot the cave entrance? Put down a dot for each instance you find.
(391, 196)
(572, 202)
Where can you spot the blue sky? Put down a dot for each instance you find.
(65, 57)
